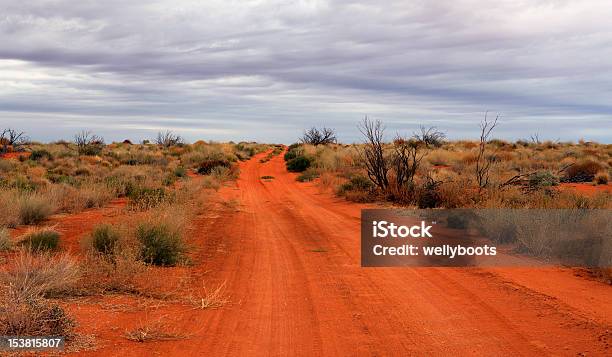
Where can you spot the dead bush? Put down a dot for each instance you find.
(34, 317)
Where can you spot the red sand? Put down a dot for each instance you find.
(14, 155)
(586, 188)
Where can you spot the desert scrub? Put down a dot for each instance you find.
(9, 211)
(143, 198)
(583, 171)
(161, 244)
(357, 189)
(40, 275)
(40, 154)
(5, 240)
(36, 317)
(298, 164)
(34, 208)
(29, 279)
(207, 167)
(41, 240)
(602, 178)
(308, 175)
(105, 238)
(543, 179)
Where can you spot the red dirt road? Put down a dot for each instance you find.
(289, 256)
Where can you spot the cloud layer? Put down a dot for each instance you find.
(264, 70)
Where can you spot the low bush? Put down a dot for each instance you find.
(30, 276)
(34, 209)
(298, 164)
(180, 171)
(40, 154)
(41, 240)
(583, 171)
(308, 175)
(543, 179)
(206, 167)
(120, 272)
(428, 195)
(29, 279)
(144, 198)
(104, 239)
(36, 317)
(357, 189)
(160, 244)
(290, 155)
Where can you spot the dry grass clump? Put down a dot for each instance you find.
(41, 240)
(34, 208)
(5, 240)
(154, 331)
(210, 298)
(71, 199)
(36, 317)
(30, 276)
(26, 282)
(118, 273)
(9, 210)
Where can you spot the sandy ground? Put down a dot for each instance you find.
(289, 258)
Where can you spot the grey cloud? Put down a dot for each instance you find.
(251, 67)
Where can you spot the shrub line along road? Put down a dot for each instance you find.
(289, 256)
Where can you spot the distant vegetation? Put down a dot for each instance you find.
(157, 184)
(426, 170)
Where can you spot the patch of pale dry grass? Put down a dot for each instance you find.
(157, 330)
(30, 275)
(209, 298)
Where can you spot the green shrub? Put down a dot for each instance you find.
(34, 209)
(543, 179)
(40, 154)
(298, 164)
(357, 182)
(290, 155)
(160, 244)
(41, 240)
(308, 175)
(104, 239)
(358, 189)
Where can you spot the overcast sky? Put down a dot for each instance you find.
(265, 70)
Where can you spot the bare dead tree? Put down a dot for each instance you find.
(168, 139)
(323, 136)
(484, 162)
(535, 139)
(407, 156)
(373, 154)
(11, 138)
(88, 143)
(431, 137)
